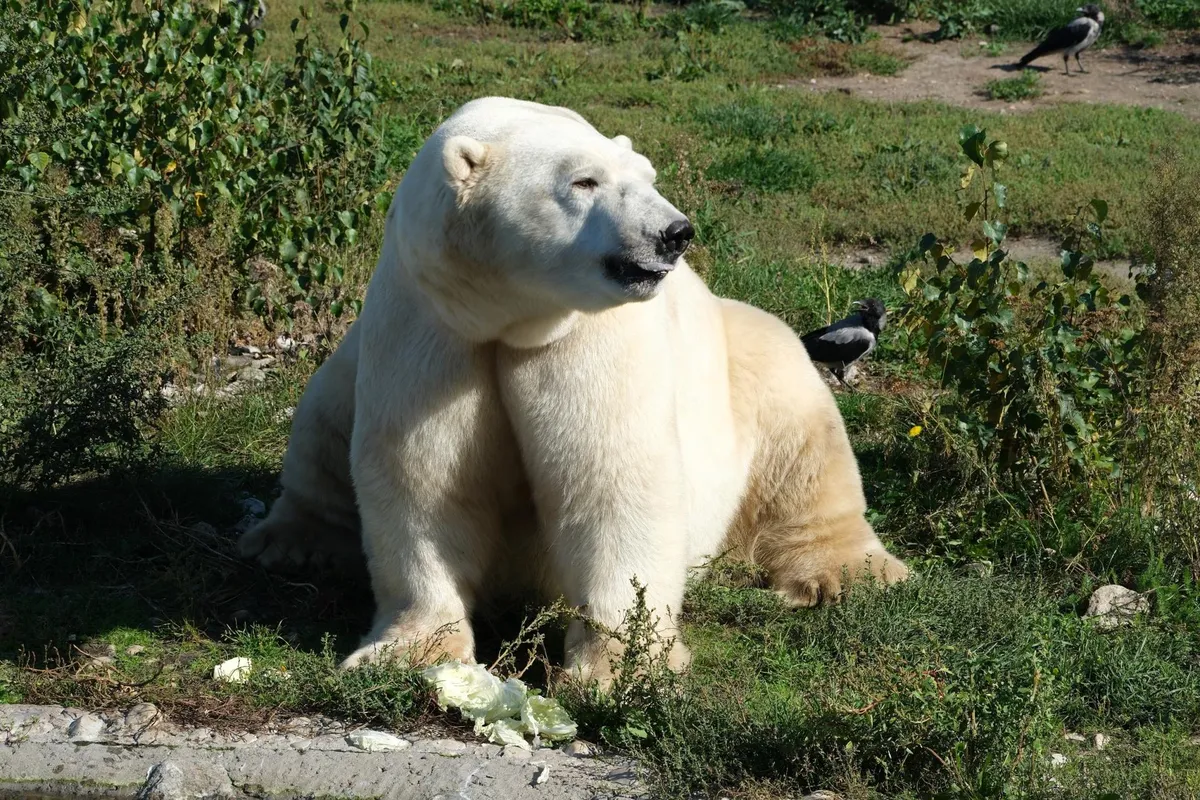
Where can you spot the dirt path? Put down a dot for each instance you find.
(1167, 77)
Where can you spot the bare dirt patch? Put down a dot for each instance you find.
(1167, 77)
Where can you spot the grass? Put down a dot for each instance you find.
(1025, 86)
(960, 684)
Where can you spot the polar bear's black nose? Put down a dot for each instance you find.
(678, 236)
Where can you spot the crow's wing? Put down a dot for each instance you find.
(839, 344)
(1060, 39)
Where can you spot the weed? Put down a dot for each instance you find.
(1025, 86)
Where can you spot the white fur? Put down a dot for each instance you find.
(521, 418)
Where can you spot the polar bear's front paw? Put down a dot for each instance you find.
(284, 543)
(447, 644)
(812, 584)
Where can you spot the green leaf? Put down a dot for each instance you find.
(1001, 192)
(971, 140)
(39, 160)
(288, 250)
(971, 210)
(995, 231)
(1101, 209)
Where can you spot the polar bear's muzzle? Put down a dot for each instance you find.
(640, 276)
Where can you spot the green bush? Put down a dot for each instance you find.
(1040, 376)
(170, 102)
(156, 181)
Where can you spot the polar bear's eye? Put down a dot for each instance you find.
(585, 183)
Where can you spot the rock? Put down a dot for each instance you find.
(204, 529)
(377, 741)
(981, 569)
(1075, 737)
(1113, 605)
(542, 776)
(197, 781)
(252, 373)
(822, 794)
(252, 505)
(134, 650)
(1101, 740)
(235, 670)
(1057, 759)
(86, 728)
(230, 365)
(141, 716)
(580, 749)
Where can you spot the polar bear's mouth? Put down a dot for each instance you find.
(638, 277)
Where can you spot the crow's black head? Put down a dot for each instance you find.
(872, 313)
(1092, 10)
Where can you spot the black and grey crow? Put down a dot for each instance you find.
(1071, 39)
(839, 345)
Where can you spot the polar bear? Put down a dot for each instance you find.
(540, 394)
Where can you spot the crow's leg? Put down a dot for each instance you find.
(1067, 63)
(1080, 63)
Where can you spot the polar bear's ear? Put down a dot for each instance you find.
(463, 157)
(623, 140)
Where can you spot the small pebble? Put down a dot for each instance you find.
(252, 505)
(1101, 740)
(134, 650)
(377, 741)
(542, 776)
(1057, 759)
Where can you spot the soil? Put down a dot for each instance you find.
(1166, 77)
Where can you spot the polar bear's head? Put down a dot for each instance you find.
(517, 214)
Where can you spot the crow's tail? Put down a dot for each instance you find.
(1036, 52)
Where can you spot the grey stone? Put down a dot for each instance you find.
(1113, 605)
(135, 649)
(822, 794)
(40, 757)
(141, 716)
(1101, 740)
(87, 728)
(171, 780)
(580, 749)
(1075, 737)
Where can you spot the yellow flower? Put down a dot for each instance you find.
(915, 430)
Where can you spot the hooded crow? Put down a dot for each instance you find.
(1071, 39)
(839, 345)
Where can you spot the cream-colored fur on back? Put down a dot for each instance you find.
(513, 416)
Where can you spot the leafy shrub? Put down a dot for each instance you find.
(170, 101)
(709, 16)
(1040, 375)
(1172, 400)
(157, 180)
(1023, 87)
(831, 19)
